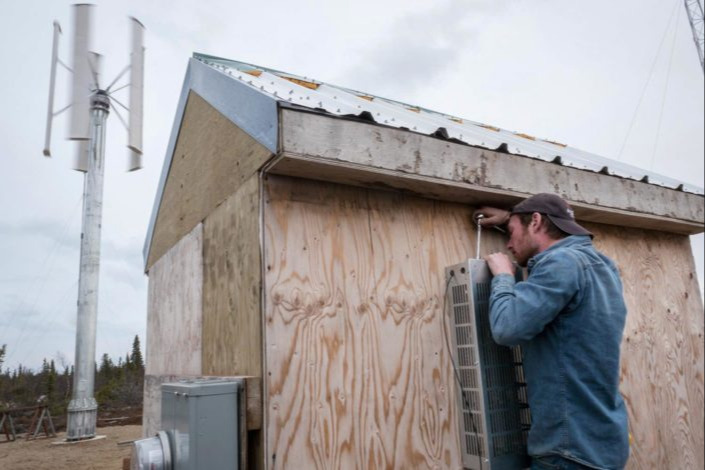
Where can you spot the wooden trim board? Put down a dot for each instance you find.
(343, 151)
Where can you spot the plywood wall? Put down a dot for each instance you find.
(174, 309)
(662, 349)
(174, 341)
(232, 314)
(232, 318)
(357, 374)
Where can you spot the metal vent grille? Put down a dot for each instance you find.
(495, 417)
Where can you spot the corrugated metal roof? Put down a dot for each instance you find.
(335, 100)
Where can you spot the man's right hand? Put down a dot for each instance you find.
(492, 216)
(499, 263)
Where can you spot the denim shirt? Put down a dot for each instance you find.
(568, 316)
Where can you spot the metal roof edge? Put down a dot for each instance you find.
(252, 111)
(175, 128)
(255, 113)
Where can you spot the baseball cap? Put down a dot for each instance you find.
(555, 208)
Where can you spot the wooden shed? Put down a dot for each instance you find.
(299, 237)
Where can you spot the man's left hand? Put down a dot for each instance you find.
(499, 263)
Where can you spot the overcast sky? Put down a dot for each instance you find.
(620, 79)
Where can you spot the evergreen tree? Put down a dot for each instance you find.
(67, 379)
(137, 362)
(3, 350)
(106, 367)
(50, 382)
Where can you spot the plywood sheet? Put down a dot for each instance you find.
(662, 349)
(358, 374)
(174, 309)
(212, 158)
(232, 315)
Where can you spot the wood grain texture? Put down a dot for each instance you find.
(358, 374)
(662, 350)
(232, 319)
(212, 158)
(174, 306)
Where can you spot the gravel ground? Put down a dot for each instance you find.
(42, 454)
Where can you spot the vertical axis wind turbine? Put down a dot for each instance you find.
(90, 106)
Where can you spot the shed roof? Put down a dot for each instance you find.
(292, 90)
(256, 100)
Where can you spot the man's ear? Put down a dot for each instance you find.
(536, 221)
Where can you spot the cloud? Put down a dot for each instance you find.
(422, 46)
(63, 234)
(14, 308)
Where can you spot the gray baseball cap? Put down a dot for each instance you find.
(555, 208)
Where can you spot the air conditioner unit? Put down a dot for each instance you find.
(494, 416)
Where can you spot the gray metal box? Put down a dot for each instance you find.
(201, 419)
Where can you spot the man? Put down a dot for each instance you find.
(568, 316)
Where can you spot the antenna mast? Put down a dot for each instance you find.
(697, 25)
(89, 112)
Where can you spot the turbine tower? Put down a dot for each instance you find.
(89, 109)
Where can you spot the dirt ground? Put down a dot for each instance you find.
(42, 454)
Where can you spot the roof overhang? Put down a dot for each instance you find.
(318, 146)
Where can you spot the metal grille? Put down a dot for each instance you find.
(494, 418)
(468, 370)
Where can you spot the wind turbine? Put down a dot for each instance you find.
(89, 109)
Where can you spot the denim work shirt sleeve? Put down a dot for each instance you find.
(520, 311)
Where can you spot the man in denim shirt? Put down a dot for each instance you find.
(569, 317)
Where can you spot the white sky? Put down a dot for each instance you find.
(566, 70)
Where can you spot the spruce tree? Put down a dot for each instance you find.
(136, 357)
(106, 367)
(50, 382)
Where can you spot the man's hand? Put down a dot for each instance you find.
(499, 263)
(493, 216)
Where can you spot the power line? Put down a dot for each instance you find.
(52, 321)
(46, 268)
(665, 91)
(648, 80)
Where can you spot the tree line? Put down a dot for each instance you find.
(118, 385)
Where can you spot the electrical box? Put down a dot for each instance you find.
(494, 416)
(200, 428)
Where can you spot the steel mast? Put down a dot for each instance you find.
(82, 409)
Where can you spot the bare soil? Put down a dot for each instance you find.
(95, 454)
